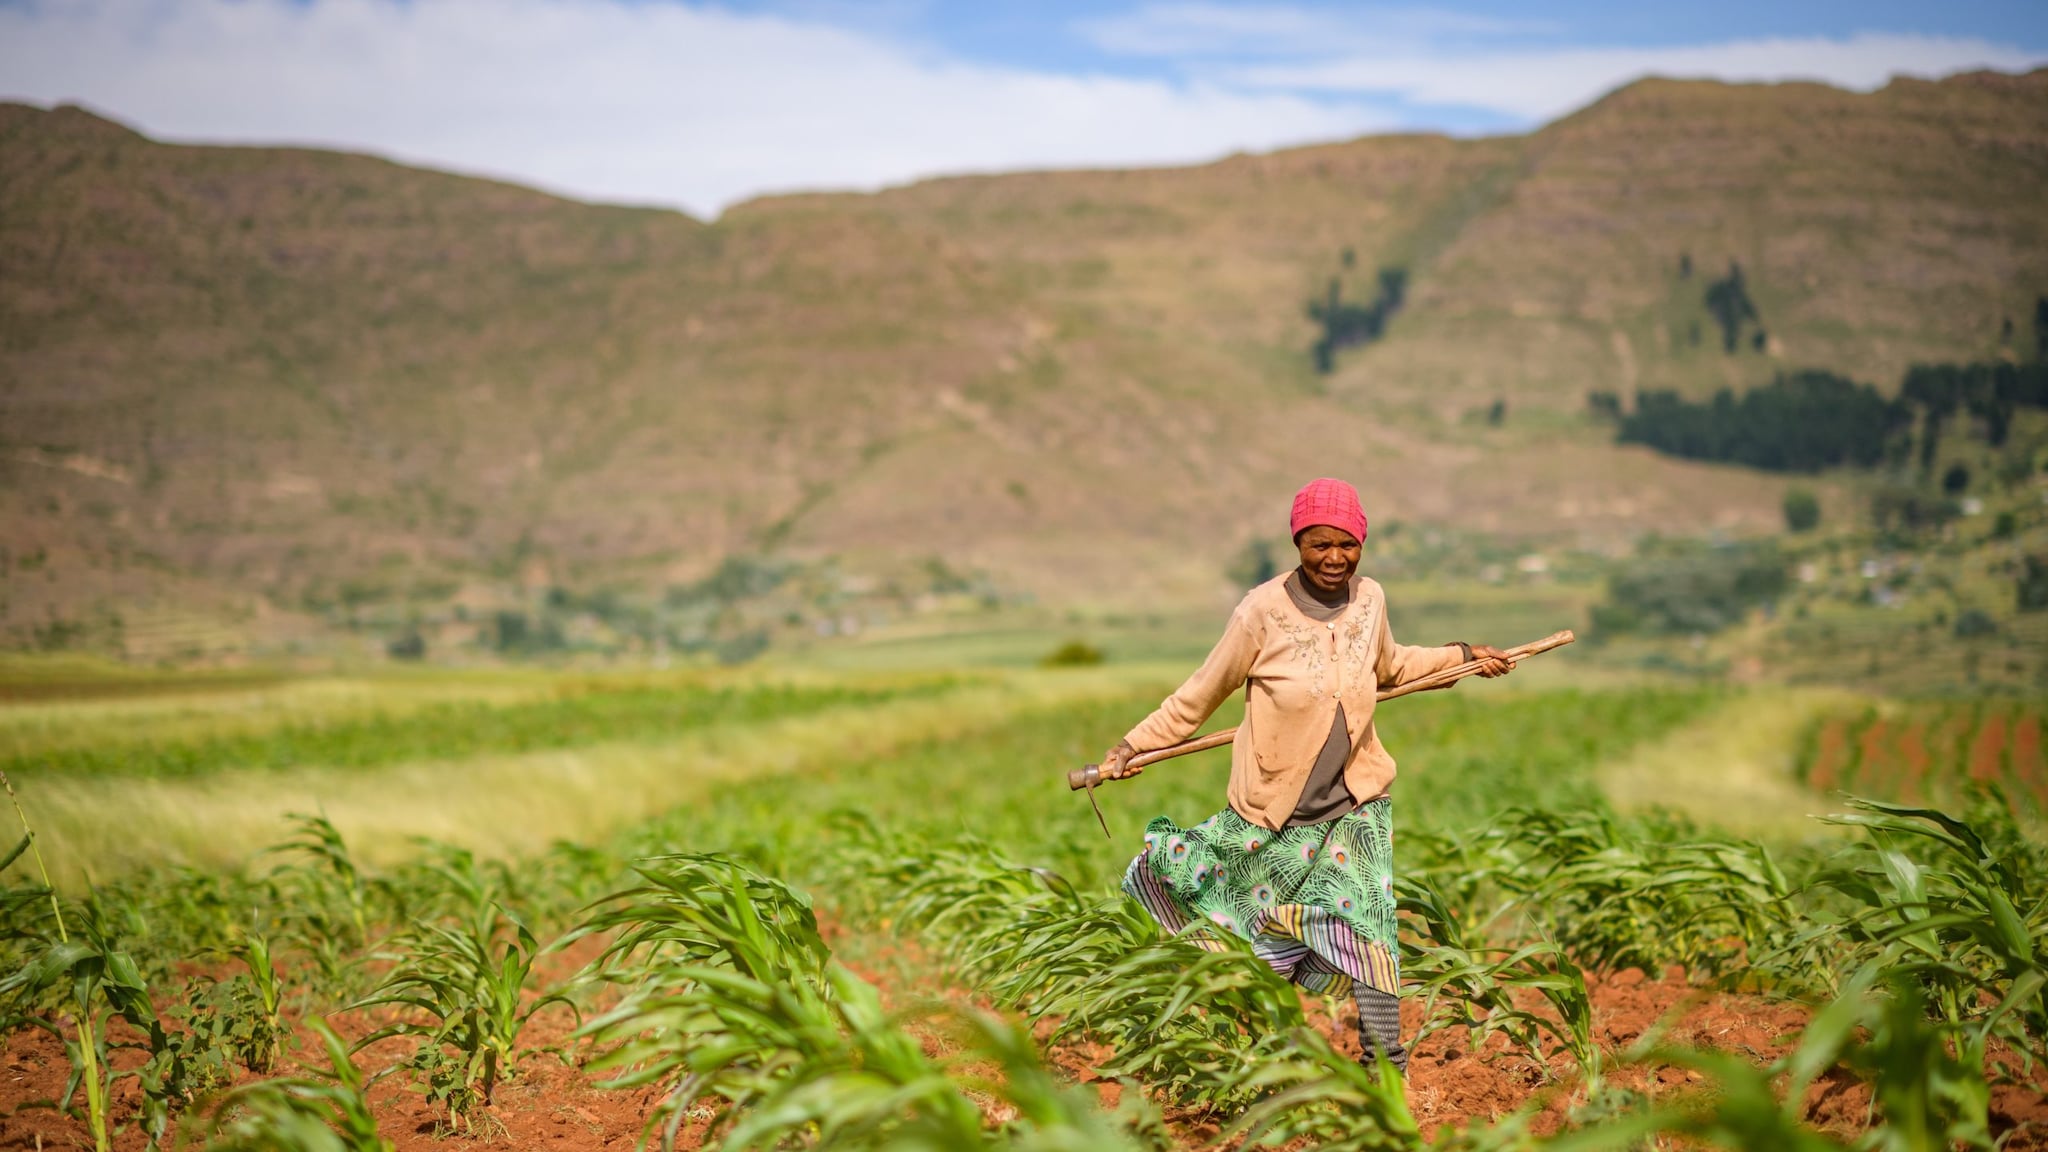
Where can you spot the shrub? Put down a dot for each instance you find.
(1802, 510)
(1698, 591)
(2033, 584)
(1073, 654)
(409, 645)
(1975, 622)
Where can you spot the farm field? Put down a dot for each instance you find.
(1935, 752)
(795, 908)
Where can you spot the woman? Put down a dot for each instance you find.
(1301, 863)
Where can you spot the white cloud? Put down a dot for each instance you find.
(1436, 57)
(659, 101)
(645, 101)
(1538, 85)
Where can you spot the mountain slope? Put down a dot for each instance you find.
(252, 378)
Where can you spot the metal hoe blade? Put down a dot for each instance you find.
(1092, 804)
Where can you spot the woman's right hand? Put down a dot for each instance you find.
(1116, 763)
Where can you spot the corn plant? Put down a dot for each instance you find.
(1464, 983)
(328, 907)
(1183, 1014)
(318, 838)
(735, 996)
(1306, 1090)
(469, 981)
(1929, 896)
(699, 940)
(1644, 895)
(325, 1111)
(84, 979)
(93, 974)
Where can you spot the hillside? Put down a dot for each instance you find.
(239, 387)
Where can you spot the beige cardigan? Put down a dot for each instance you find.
(1299, 671)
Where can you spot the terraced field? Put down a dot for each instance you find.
(1935, 752)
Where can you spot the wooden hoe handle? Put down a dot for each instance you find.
(1089, 775)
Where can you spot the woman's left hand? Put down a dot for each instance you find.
(1496, 661)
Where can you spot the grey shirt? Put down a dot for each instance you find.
(1324, 797)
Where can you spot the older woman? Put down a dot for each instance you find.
(1301, 862)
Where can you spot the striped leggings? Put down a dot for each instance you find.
(1379, 1025)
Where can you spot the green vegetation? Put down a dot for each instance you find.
(1808, 421)
(1687, 588)
(583, 714)
(713, 990)
(1989, 393)
(1728, 302)
(1803, 422)
(1073, 654)
(1802, 510)
(1355, 325)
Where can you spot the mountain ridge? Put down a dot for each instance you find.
(328, 376)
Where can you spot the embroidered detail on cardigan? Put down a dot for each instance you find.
(1357, 642)
(1308, 648)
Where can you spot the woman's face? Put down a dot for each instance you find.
(1328, 556)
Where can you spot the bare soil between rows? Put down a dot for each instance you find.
(552, 1102)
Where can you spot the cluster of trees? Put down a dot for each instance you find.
(1801, 422)
(1989, 392)
(1807, 421)
(1347, 325)
(1690, 589)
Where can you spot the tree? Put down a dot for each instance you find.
(2033, 585)
(1802, 510)
(1956, 480)
(1692, 590)
(1348, 325)
(407, 645)
(1728, 302)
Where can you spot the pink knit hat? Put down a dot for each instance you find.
(1331, 502)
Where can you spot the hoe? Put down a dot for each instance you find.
(1088, 776)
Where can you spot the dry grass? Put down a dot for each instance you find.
(503, 805)
(1733, 768)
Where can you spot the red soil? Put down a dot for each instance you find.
(554, 1104)
(1873, 754)
(1830, 755)
(1987, 751)
(1912, 760)
(2028, 772)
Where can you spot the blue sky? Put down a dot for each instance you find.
(698, 106)
(1088, 36)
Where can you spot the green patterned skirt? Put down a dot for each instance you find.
(1316, 902)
